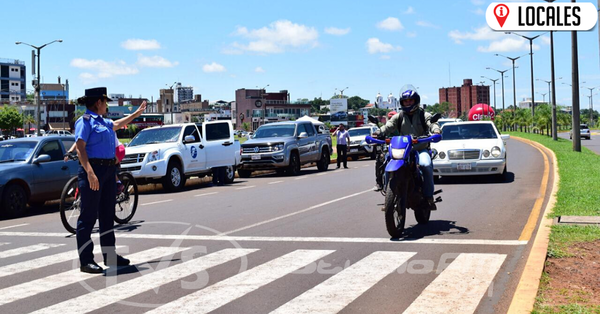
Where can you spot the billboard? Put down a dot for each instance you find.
(338, 109)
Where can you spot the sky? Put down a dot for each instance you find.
(310, 48)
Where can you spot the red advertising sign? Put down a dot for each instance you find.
(481, 112)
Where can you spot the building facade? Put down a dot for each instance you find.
(462, 98)
(165, 102)
(12, 81)
(257, 106)
(184, 93)
(57, 112)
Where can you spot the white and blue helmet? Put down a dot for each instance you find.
(409, 92)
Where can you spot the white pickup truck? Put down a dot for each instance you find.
(172, 153)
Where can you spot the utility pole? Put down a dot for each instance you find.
(575, 91)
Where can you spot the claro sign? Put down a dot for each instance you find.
(530, 16)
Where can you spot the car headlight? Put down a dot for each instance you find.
(277, 147)
(154, 156)
(442, 155)
(398, 153)
(496, 151)
(486, 153)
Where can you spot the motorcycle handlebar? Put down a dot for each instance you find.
(433, 138)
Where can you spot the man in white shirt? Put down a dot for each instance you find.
(342, 145)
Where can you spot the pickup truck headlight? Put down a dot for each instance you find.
(398, 153)
(277, 147)
(154, 156)
(496, 151)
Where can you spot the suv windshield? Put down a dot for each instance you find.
(468, 132)
(155, 136)
(359, 132)
(282, 130)
(16, 151)
(583, 126)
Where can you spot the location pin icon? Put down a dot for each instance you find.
(501, 12)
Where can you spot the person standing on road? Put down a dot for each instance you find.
(342, 145)
(95, 144)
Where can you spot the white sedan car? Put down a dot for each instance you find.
(470, 148)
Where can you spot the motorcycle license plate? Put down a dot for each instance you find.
(255, 157)
(354, 150)
(463, 166)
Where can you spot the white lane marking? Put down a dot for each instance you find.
(460, 287)
(354, 167)
(223, 292)
(366, 166)
(296, 213)
(157, 202)
(322, 173)
(287, 239)
(127, 289)
(13, 226)
(41, 262)
(300, 178)
(29, 249)
(4, 243)
(246, 187)
(205, 194)
(337, 292)
(31, 288)
(275, 182)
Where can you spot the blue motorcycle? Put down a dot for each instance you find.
(403, 182)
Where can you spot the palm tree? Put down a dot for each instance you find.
(77, 114)
(29, 119)
(543, 117)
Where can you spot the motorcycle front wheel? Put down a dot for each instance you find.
(395, 211)
(422, 215)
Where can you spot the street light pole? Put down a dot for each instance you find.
(575, 91)
(37, 87)
(494, 81)
(531, 60)
(264, 109)
(591, 104)
(502, 77)
(514, 83)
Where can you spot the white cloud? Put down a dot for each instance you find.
(87, 78)
(155, 62)
(427, 24)
(259, 70)
(545, 39)
(411, 34)
(278, 37)
(213, 67)
(337, 31)
(508, 45)
(385, 57)
(482, 33)
(390, 24)
(410, 10)
(103, 68)
(479, 11)
(140, 44)
(477, 2)
(374, 45)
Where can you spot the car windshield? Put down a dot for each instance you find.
(359, 132)
(282, 130)
(16, 151)
(468, 132)
(155, 136)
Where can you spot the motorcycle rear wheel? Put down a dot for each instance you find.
(395, 212)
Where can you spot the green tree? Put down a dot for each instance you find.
(543, 118)
(443, 108)
(77, 114)
(29, 119)
(246, 126)
(30, 97)
(315, 104)
(10, 118)
(355, 103)
(132, 129)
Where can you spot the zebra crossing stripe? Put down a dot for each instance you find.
(127, 289)
(31, 288)
(29, 249)
(223, 292)
(337, 292)
(460, 287)
(3, 243)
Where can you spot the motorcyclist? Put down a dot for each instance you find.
(413, 120)
(379, 170)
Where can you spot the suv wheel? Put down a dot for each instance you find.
(244, 173)
(229, 174)
(294, 167)
(174, 180)
(323, 163)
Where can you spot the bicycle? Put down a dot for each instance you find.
(70, 200)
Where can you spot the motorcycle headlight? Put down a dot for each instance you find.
(496, 151)
(442, 155)
(486, 153)
(277, 147)
(154, 156)
(398, 153)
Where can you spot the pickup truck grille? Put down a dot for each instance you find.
(135, 168)
(464, 154)
(133, 158)
(257, 149)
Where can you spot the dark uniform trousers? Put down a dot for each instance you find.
(342, 152)
(96, 205)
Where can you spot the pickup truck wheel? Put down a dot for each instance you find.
(294, 167)
(280, 172)
(354, 157)
(323, 163)
(174, 180)
(14, 201)
(229, 174)
(244, 173)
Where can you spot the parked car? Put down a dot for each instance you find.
(443, 121)
(470, 148)
(58, 132)
(171, 153)
(32, 170)
(285, 147)
(358, 146)
(584, 130)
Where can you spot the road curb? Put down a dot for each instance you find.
(524, 297)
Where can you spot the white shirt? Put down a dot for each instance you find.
(342, 137)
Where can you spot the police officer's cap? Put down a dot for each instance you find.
(94, 93)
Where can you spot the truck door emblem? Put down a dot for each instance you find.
(194, 152)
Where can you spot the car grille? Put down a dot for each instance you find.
(251, 150)
(464, 154)
(136, 168)
(133, 159)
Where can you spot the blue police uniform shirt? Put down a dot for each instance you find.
(97, 132)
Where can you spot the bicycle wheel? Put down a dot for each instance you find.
(126, 200)
(70, 205)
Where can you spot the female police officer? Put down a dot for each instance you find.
(95, 141)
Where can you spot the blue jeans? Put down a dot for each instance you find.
(426, 167)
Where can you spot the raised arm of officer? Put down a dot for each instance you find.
(124, 121)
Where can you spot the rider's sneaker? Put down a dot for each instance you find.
(431, 204)
(120, 187)
(377, 188)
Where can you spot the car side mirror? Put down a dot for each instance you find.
(42, 158)
(303, 135)
(504, 137)
(189, 139)
(435, 118)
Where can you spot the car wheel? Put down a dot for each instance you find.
(229, 174)
(294, 166)
(354, 157)
(174, 180)
(244, 173)
(323, 163)
(14, 201)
